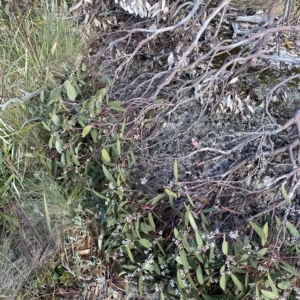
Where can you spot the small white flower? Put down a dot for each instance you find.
(143, 180)
(233, 234)
(111, 186)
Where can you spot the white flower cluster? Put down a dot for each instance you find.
(234, 234)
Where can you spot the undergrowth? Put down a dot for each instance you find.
(68, 166)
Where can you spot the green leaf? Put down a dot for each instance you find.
(75, 160)
(200, 275)
(272, 285)
(265, 230)
(86, 130)
(100, 241)
(94, 135)
(237, 270)
(257, 292)
(58, 147)
(206, 297)
(238, 283)
(258, 230)
(46, 126)
(116, 105)
(68, 158)
(175, 167)
(292, 229)
(283, 285)
(261, 252)
(170, 193)
(56, 120)
(151, 220)
(118, 147)
(162, 297)
(198, 239)
(223, 282)
(156, 199)
(176, 233)
(190, 200)
(129, 254)
(289, 269)
(179, 279)
(193, 223)
(107, 174)
(269, 295)
(141, 286)
(145, 243)
(71, 92)
(225, 246)
(29, 155)
(285, 195)
(183, 259)
(47, 216)
(105, 155)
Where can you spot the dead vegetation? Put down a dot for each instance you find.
(195, 58)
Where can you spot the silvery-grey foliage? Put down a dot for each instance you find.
(143, 8)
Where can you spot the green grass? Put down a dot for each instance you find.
(37, 47)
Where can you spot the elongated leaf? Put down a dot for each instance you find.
(75, 160)
(183, 258)
(206, 297)
(223, 282)
(193, 223)
(130, 254)
(86, 130)
(272, 285)
(292, 229)
(150, 218)
(156, 199)
(200, 275)
(176, 233)
(107, 174)
(56, 120)
(47, 213)
(238, 284)
(261, 252)
(116, 105)
(105, 155)
(100, 240)
(170, 193)
(258, 230)
(141, 286)
(94, 135)
(265, 230)
(118, 147)
(289, 269)
(71, 92)
(162, 297)
(58, 147)
(225, 246)
(190, 200)
(46, 126)
(198, 239)
(285, 195)
(269, 295)
(175, 167)
(179, 279)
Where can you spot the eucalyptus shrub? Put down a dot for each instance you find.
(168, 249)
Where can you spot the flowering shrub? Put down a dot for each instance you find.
(164, 241)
